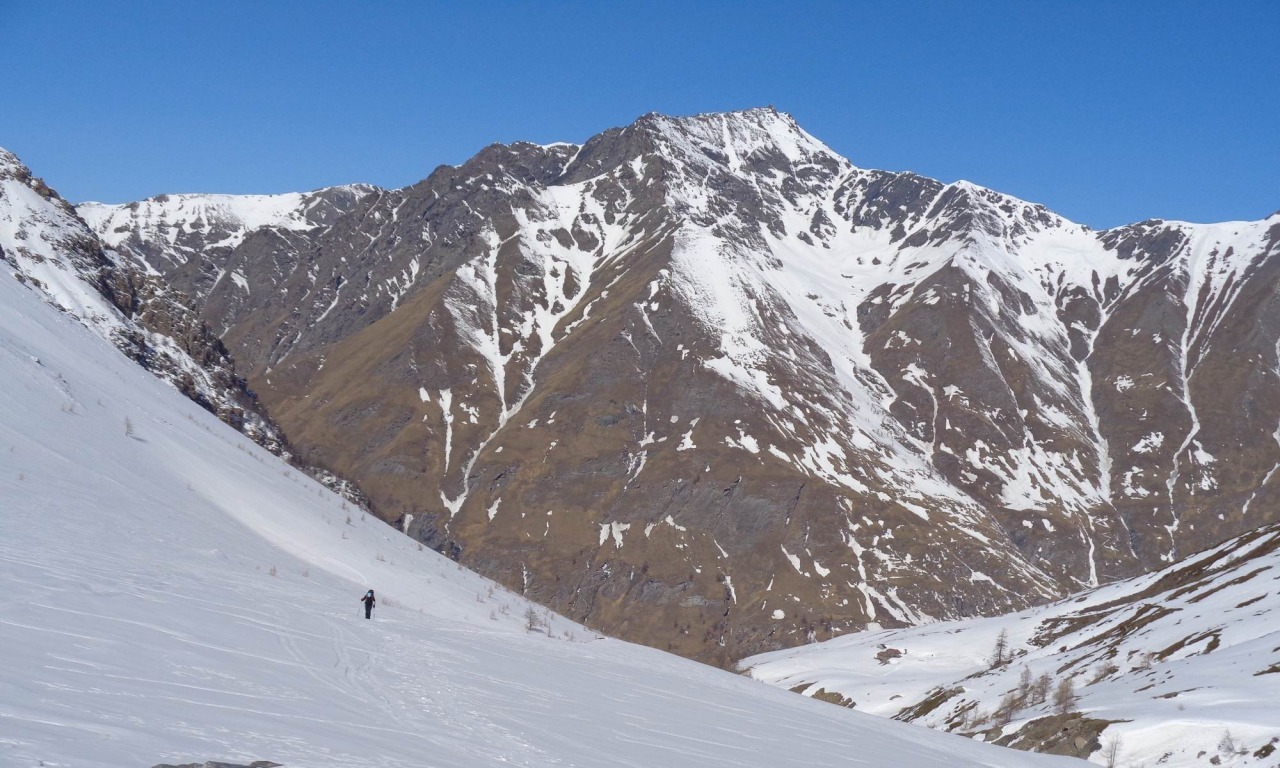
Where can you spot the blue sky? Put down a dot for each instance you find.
(1106, 112)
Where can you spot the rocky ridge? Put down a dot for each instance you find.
(47, 246)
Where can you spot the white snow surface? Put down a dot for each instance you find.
(38, 237)
(177, 594)
(163, 218)
(1195, 650)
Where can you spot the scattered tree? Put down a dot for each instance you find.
(1111, 752)
(1009, 706)
(1064, 696)
(532, 621)
(1000, 654)
(1228, 745)
(1040, 689)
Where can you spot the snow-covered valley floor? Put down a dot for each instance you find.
(171, 593)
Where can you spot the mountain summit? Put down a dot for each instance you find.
(702, 383)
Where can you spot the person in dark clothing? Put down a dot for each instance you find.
(368, 604)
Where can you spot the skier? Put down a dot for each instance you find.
(368, 604)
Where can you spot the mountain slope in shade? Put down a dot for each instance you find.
(178, 594)
(1175, 668)
(704, 383)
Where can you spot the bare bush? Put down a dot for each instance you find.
(1102, 673)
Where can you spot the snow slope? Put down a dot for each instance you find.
(1181, 658)
(173, 593)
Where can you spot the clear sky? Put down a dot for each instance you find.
(1107, 112)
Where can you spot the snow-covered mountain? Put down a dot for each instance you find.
(1173, 668)
(704, 383)
(174, 593)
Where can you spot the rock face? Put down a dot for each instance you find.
(704, 384)
(45, 244)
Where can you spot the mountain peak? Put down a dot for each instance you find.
(8, 160)
(12, 167)
(760, 138)
(735, 137)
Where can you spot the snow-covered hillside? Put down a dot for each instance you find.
(171, 592)
(44, 243)
(1179, 667)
